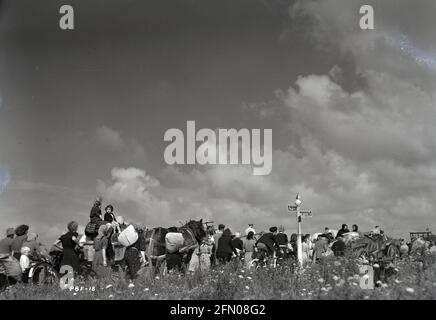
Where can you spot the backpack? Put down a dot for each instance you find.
(91, 229)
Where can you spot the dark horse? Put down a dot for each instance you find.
(193, 232)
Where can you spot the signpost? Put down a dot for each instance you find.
(299, 213)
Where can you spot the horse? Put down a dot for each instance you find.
(193, 233)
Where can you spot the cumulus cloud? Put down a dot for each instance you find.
(366, 154)
(334, 26)
(113, 140)
(109, 137)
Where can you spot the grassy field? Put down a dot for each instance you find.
(333, 279)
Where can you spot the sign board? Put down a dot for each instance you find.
(306, 213)
(303, 212)
(292, 208)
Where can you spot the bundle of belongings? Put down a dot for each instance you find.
(174, 241)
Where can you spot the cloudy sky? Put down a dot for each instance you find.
(353, 112)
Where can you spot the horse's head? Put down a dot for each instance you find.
(197, 229)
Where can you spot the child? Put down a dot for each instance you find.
(24, 259)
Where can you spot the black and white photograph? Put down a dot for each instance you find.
(217, 150)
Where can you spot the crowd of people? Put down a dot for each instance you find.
(103, 249)
(98, 248)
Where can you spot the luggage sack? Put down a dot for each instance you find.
(128, 237)
(174, 241)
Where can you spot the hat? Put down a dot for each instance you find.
(10, 232)
(273, 229)
(31, 236)
(250, 224)
(25, 250)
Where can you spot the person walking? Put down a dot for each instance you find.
(249, 248)
(216, 238)
(238, 243)
(69, 243)
(205, 251)
(225, 247)
(134, 255)
(100, 263)
(305, 248)
(321, 247)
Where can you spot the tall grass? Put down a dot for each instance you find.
(331, 279)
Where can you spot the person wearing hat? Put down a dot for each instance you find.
(250, 228)
(17, 243)
(6, 243)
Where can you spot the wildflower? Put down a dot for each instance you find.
(397, 281)
(384, 285)
(157, 278)
(323, 289)
(247, 287)
(249, 278)
(336, 278)
(337, 263)
(75, 294)
(411, 290)
(366, 297)
(321, 280)
(111, 296)
(241, 276)
(131, 285)
(155, 294)
(108, 286)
